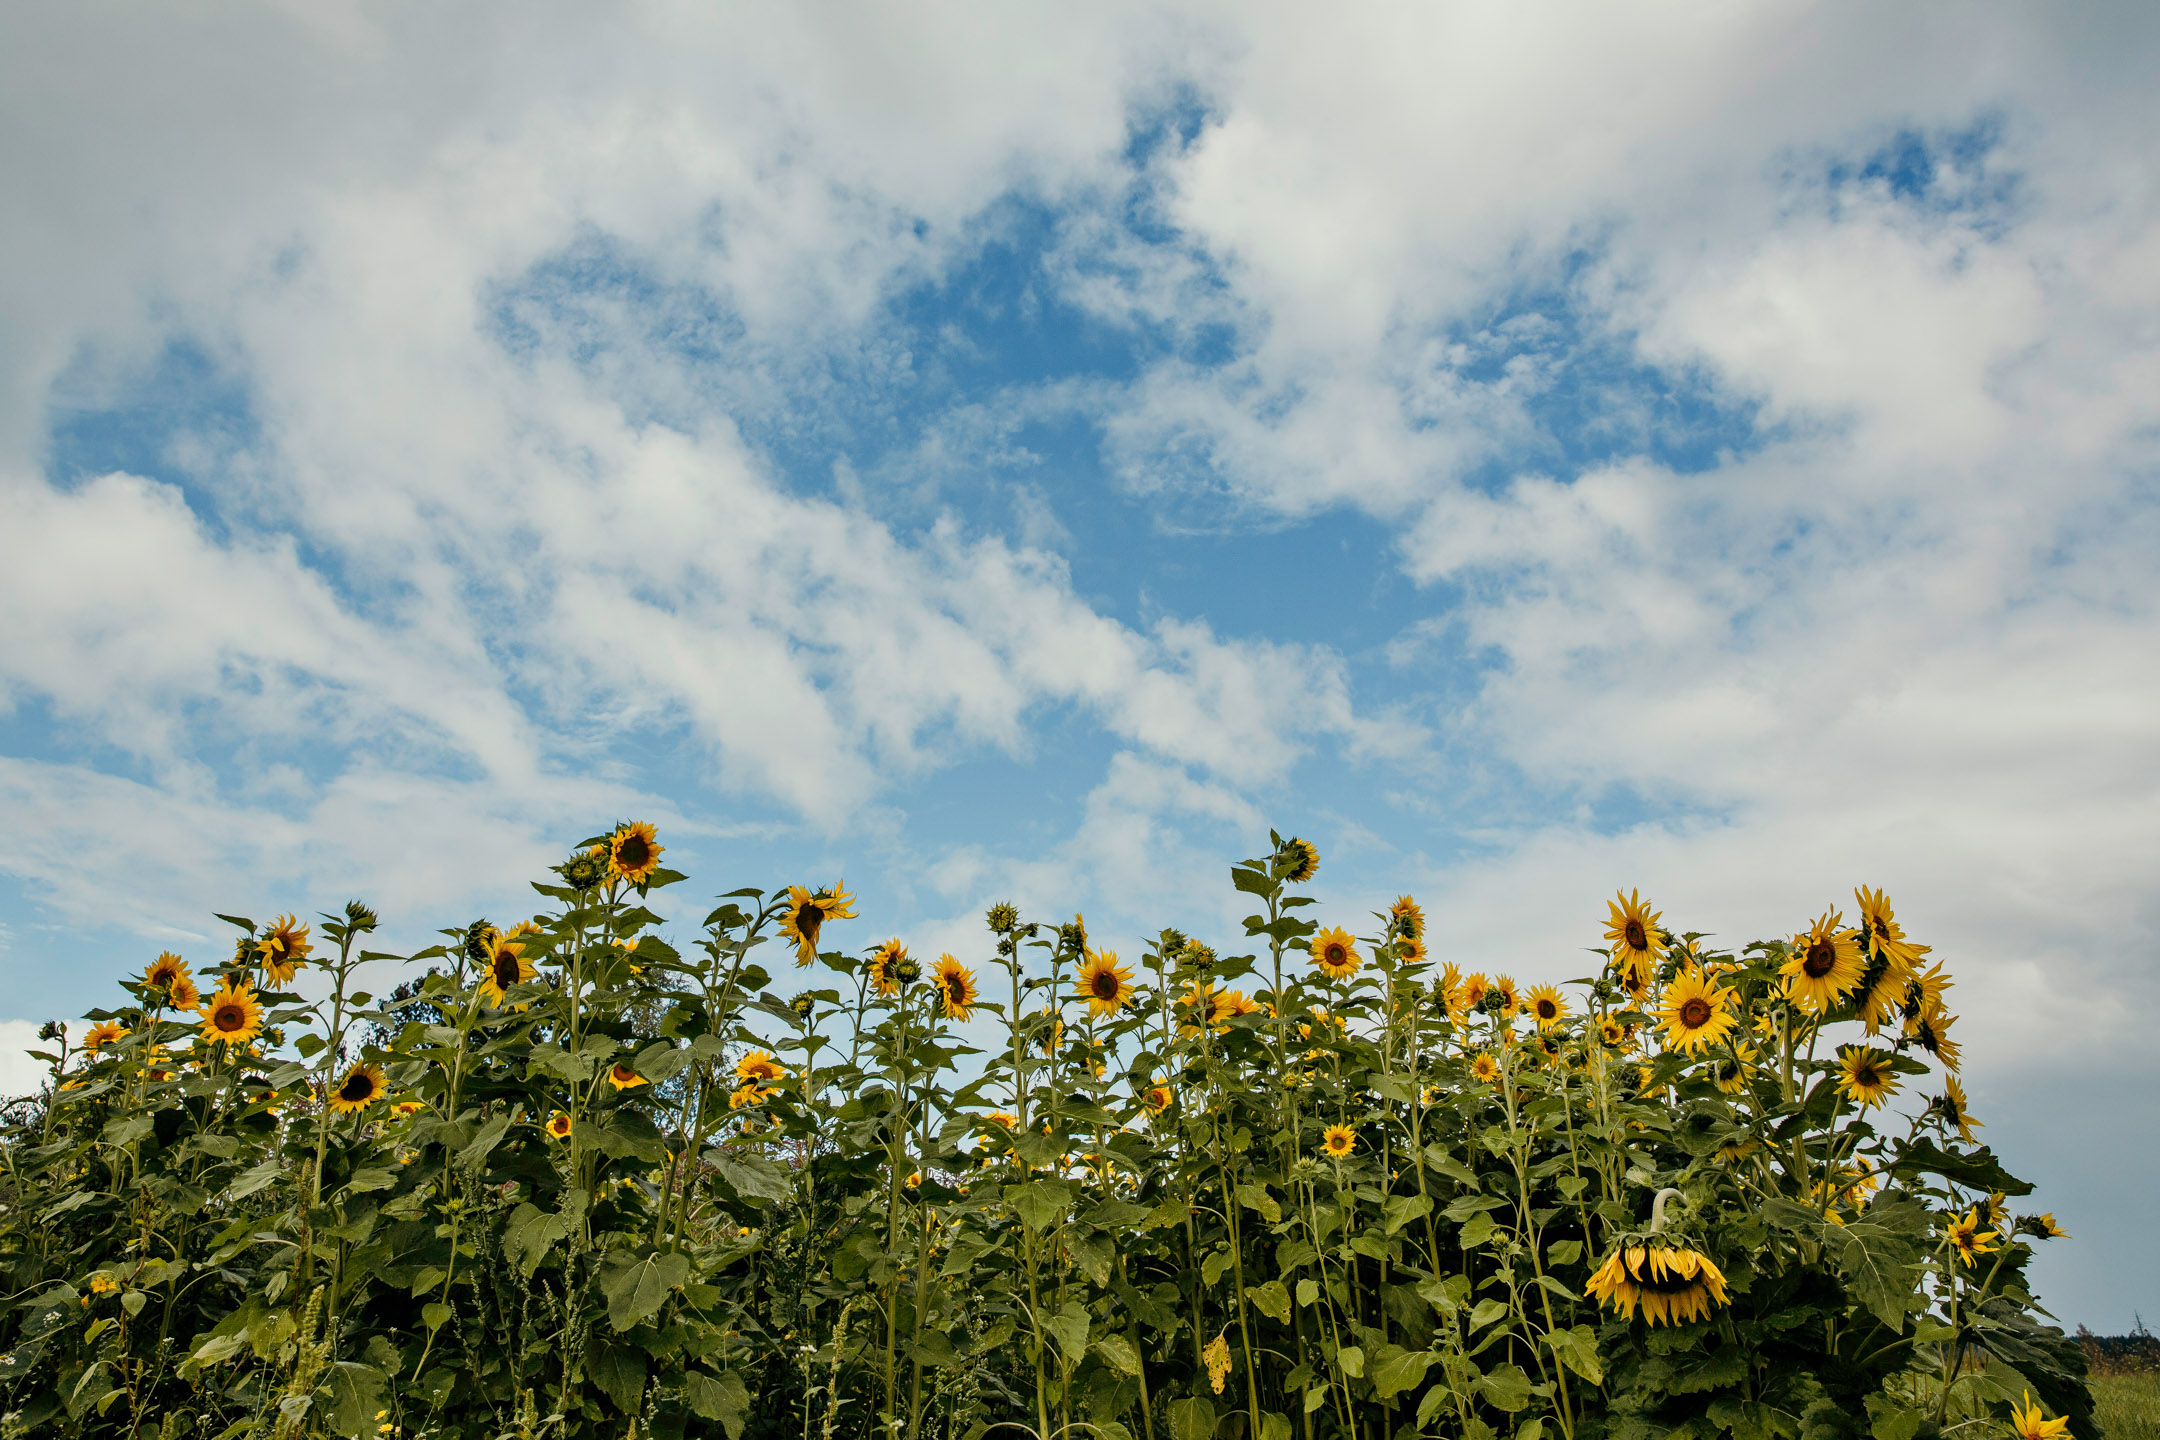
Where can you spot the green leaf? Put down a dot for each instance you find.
(1430, 1405)
(619, 1371)
(1253, 882)
(1271, 1299)
(1307, 1292)
(1396, 1370)
(721, 1397)
(433, 1315)
(491, 1134)
(1400, 1210)
(1040, 1203)
(530, 1234)
(1977, 1169)
(1069, 1327)
(636, 1287)
(1506, 1386)
(1212, 1267)
(1878, 1264)
(1192, 1418)
(355, 1394)
(1255, 1197)
(1120, 1353)
(753, 1176)
(1274, 1426)
(934, 1347)
(1351, 1359)
(1476, 1231)
(1577, 1349)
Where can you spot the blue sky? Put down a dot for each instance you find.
(1017, 454)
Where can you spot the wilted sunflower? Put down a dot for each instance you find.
(1104, 983)
(1547, 1006)
(1485, 1068)
(956, 985)
(1695, 1012)
(1335, 954)
(1970, 1239)
(1932, 1034)
(633, 852)
(1671, 1285)
(559, 1125)
(759, 1067)
(622, 1077)
(2027, 1422)
(362, 1086)
(1865, 1076)
(1338, 1141)
(1885, 937)
(1633, 935)
(1406, 919)
(1825, 965)
(885, 964)
(504, 964)
(284, 949)
(233, 1016)
(1298, 860)
(1157, 1099)
(1951, 1106)
(2042, 1226)
(104, 1033)
(807, 913)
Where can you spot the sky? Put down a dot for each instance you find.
(1025, 452)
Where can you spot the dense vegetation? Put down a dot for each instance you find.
(566, 1180)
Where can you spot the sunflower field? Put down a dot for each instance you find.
(565, 1179)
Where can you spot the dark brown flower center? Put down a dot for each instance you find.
(632, 853)
(1105, 985)
(1821, 958)
(506, 969)
(1695, 1012)
(1866, 1077)
(230, 1017)
(808, 919)
(358, 1086)
(1548, 1010)
(1636, 936)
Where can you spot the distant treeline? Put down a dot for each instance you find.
(2119, 1354)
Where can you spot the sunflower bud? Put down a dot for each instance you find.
(802, 1005)
(583, 870)
(1001, 918)
(359, 917)
(906, 971)
(479, 941)
(51, 1030)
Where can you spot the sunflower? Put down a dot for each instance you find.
(284, 948)
(1885, 937)
(885, 962)
(104, 1033)
(1485, 1068)
(622, 1077)
(1825, 966)
(2042, 1226)
(183, 995)
(1865, 1076)
(233, 1016)
(504, 963)
(1299, 860)
(1473, 991)
(1547, 1007)
(1338, 1141)
(1923, 994)
(559, 1125)
(1969, 1239)
(1447, 991)
(1671, 1285)
(1411, 952)
(1158, 1098)
(743, 1095)
(1881, 997)
(633, 852)
(2027, 1423)
(362, 1086)
(1695, 1012)
(1002, 1120)
(1105, 985)
(1231, 1004)
(1613, 1033)
(1334, 953)
(759, 1068)
(165, 972)
(807, 913)
(1632, 933)
(1510, 995)
(1546, 1048)
(1406, 919)
(1951, 1106)
(956, 984)
(1932, 1034)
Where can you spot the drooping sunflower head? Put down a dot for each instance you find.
(284, 948)
(362, 1086)
(1335, 953)
(1696, 1012)
(2042, 1226)
(1157, 1099)
(1673, 1285)
(1632, 933)
(503, 964)
(1883, 936)
(1734, 1069)
(1485, 1068)
(1866, 1076)
(1932, 1034)
(1951, 1106)
(1825, 966)
(759, 1067)
(633, 852)
(2029, 1422)
(1924, 992)
(1547, 1006)
(1545, 1049)
(1338, 1141)
(956, 988)
(744, 1096)
(884, 969)
(233, 1016)
(102, 1034)
(1447, 991)
(622, 1077)
(807, 912)
(558, 1125)
(1406, 919)
(1297, 861)
(1104, 983)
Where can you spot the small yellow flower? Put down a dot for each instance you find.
(105, 1032)
(2027, 1423)
(558, 1125)
(1485, 1068)
(622, 1077)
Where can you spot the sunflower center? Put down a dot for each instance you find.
(1547, 1010)
(1635, 935)
(633, 853)
(808, 919)
(1105, 985)
(1695, 1012)
(1821, 958)
(230, 1017)
(1866, 1077)
(506, 970)
(357, 1087)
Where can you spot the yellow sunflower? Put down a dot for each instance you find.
(1411, 952)
(1695, 1012)
(505, 964)
(1298, 859)
(622, 1077)
(1735, 1071)
(559, 1125)
(885, 963)
(1003, 1120)
(1923, 993)
(1104, 983)
(233, 1016)
(1406, 919)
(1884, 936)
(104, 1033)
(745, 1095)
(1825, 966)
(1970, 1239)
(956, 985)
(1932, 1034)
(1865, 1076)
(183, 995)
(1545, 1048)
(1447, 991)
(1671, 1285)
(1951, 1106)
(1634, 938)
(633, 852)
(2027, 1422)
(2043, 1226)
(1158, 1098)
(1613, 1033)
(284, 949)
(1473, 991)
(1547, 1006)
(1485, 1068)
(1510, 996)
(1335, 954)
(362, 1086)
(1338, 1141)
(1881, 997)
(759, 1068)
(164, 973)
(807, 913)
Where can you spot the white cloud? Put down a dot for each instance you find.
(19, 1074)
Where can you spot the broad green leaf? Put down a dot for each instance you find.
(1271, 1299)
(1577, 1349)
(1192, 1419)
(1039, 1203)
(1506, 1386)
(1400, 1210)
(1351, 1360)
(1395, 1370)
(636, 1287)
(1256, 1197)
(1069, 1327)
(355, 1394)
(1120, 1353)
(753, 1176)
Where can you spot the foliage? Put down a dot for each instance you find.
(568, 1181)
